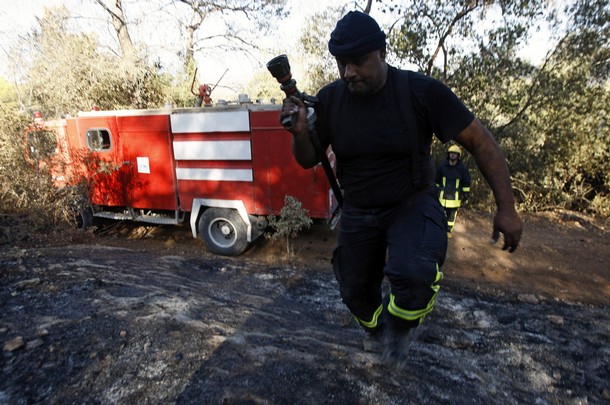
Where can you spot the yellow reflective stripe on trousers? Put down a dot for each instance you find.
(420, 313)
(373, 322)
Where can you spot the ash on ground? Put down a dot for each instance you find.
(94, 324)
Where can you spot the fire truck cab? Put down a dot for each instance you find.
(224, 169)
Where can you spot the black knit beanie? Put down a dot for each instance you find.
(356, 34)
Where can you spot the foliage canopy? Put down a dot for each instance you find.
(550, 117)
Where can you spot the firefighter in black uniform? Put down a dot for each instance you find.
(453, 182)
(380, 121)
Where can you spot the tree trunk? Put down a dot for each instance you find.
(189, 52)
(115, 9)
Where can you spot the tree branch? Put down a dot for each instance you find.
(441, 42)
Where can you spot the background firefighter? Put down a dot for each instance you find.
(453, 182)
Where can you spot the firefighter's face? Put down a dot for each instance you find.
(453, 156)
(365, 74)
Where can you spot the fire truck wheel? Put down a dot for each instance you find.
(83, 217)
(223, 231)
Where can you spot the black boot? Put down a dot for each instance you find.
(373, 340)
(397, 337)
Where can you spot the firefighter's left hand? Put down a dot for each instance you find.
(507, 222)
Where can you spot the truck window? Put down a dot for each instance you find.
(42, 144)
(98, 139)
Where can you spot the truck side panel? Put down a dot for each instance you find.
(277, 173)
(213, 155)
(147, 152)
(108, 178)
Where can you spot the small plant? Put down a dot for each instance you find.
(293, 218)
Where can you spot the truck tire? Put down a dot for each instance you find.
(83, 217)
(223, 231)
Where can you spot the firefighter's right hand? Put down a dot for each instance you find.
(294, 115)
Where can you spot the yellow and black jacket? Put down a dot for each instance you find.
(453, 183)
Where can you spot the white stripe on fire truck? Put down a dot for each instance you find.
(212, 150)
(183, 173)
(211, 121)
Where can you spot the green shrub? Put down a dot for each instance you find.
(293, 218)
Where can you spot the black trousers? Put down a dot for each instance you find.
(407, 244)
(451, 214)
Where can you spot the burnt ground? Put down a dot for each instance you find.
(144, 315)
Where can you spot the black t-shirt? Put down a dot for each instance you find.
(369, 135)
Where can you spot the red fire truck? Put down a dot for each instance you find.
(224, 169)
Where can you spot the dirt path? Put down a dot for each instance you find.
(145, 315)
